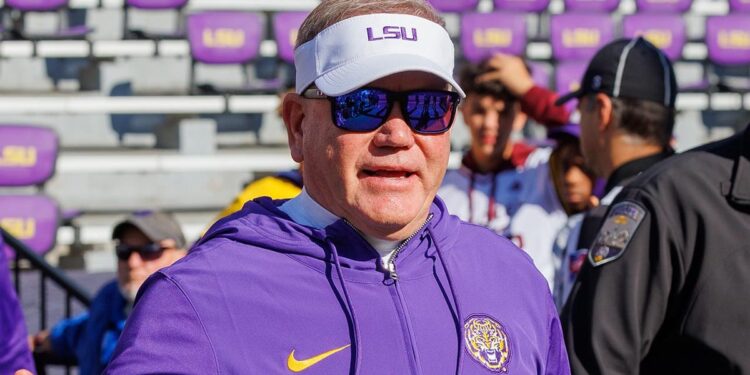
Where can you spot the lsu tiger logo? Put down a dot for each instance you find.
(487, 343)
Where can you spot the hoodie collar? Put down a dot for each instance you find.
(306, 211)
(303, 209)
(263, 225)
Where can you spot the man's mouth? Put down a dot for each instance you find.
(489, 139)
(387, 173)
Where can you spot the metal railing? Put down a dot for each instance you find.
(47, 272)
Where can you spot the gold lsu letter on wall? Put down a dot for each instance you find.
(18, 156)
(223, 38)
(580, 37)
(734, 39)
(492, 37)
(659, 37)
(19, 227)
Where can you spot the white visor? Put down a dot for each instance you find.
(356, 51)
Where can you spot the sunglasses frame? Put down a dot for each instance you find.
(392, 97)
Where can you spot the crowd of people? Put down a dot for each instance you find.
(595, 251)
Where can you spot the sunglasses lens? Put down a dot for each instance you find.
(431, 112)
(361, 110)
(122, 251)
(151, 251)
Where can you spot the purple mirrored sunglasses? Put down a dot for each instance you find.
(366, 109)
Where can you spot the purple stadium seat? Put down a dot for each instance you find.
(33, 219)
(25, 6)
(671, 6)
(454, 5)
(739, 5)
(531, 6)
(591, 5)
(539, 74)
(156, 4)
(230, 38)
(579, 36)
(666, 31)
(176, 5)
(27, 155)
(36, 5)
(728, 39)
(285, 27)
(568, 77)
(485, 33)
(224, 37)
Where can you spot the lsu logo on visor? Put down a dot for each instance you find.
(487, 342)
(616, 233)
(392, 32)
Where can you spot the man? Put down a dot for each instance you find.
(574, 182)
(626, 104)
(665, 287)
(144, 242)
(504, 185)
(14, 350)
(501, 95)
(364, 272)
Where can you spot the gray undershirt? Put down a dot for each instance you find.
(304, 210)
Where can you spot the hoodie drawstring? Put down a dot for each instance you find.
(349, 307)
(491, 202)
(455, 305)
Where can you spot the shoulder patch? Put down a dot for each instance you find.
(616, 232)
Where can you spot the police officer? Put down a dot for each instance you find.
(665, 286)
(626, 103)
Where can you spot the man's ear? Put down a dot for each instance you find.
(293, 113)
(604, 111)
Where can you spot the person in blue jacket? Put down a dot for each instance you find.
(14, 352)
(145, 242)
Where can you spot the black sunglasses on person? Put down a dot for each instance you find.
(149, 251)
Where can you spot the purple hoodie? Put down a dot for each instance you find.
(14, 349)
(262, 294)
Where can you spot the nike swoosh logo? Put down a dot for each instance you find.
(295, 365)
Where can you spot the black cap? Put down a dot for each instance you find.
(629, 68)
(155, 225)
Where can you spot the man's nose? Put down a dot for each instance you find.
(395, 132)
(491, 120)
(135, 259)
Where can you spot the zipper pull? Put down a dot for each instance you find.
(392, 271)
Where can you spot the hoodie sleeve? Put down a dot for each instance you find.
(66, 334)
(164, 334)
(14, 348)
(539, 104)
(557, 356)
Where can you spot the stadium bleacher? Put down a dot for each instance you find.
(28, 159)
(197, 78)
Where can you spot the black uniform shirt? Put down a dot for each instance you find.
(671, 290)
(620, 177)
